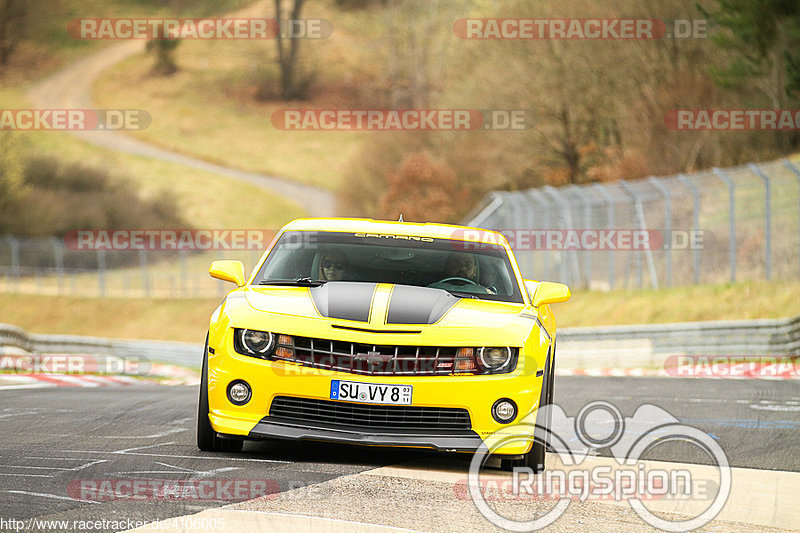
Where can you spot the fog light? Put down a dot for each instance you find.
(504, 410)
(239, 392)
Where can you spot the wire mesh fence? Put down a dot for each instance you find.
(46, 266)
(733, 224)
(740, 223)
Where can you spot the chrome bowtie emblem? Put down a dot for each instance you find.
(373, 358)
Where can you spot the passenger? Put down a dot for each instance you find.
(333, 266)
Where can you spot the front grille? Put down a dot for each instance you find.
(375, 360)
(304, 410)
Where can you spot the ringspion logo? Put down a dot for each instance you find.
(627, 477)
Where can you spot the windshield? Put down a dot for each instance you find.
(446, 264)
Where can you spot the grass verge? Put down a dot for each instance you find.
(728, 301)
(187, 319)
(183, 320)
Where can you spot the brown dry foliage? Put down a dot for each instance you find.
(423, 189)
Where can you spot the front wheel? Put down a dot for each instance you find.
(534, 459)
(207, 439)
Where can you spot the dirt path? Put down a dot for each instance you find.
(70, 88)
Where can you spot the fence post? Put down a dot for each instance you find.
(145, 274)
(796, 171)
(695, 221)
(667, 225)
(732, 230)
(549, 268)
(556, 195)
(518, 212)
(13, 245)
(183, 273)
(767, 218)
(101, 272)
(58, 256)
(642, 225)
(587, 225)
(611, 222)
(494, 205)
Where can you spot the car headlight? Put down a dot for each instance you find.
(494, 358)
(255, 342)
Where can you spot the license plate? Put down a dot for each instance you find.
(354, 391)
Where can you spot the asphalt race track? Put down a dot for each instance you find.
(52, 437)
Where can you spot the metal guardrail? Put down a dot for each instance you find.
(16, 340)
(648, 346)
(636, 346)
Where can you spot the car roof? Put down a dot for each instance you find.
(388, 227)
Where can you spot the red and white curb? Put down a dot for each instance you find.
(31, 381)
(611, 372)
(159, 375)
(727, 372)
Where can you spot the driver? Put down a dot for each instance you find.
(461, 265)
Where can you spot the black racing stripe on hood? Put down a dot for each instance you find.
(418, 305)
(345, 300)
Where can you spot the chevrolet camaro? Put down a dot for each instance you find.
(379, 333)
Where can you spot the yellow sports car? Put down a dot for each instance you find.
(379, 333)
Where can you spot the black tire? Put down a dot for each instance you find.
(535, 458)
(207, 439)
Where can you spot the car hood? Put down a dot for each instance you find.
(384, 306)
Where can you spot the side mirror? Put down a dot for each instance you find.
(547, 292)
(228, 270)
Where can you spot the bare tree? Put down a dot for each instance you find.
(293, 83)
(12, 24)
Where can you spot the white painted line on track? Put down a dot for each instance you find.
(248, 521)
(165, 456)
(28, 386)
(52, 496)
(126, 450)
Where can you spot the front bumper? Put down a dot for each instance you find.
(454, 441)
(269, 379)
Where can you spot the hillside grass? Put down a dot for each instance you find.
(209, 108)
(187, 319)
(203, 199)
